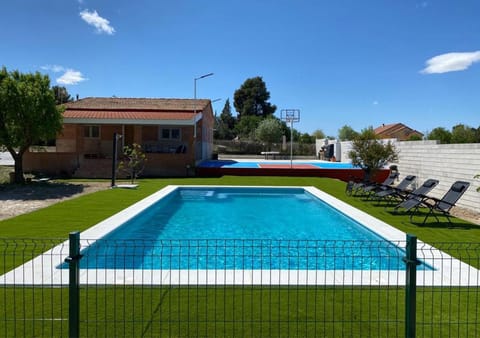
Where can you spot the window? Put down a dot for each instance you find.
(92, 131)
(170, 133)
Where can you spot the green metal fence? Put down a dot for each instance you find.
(238, 288)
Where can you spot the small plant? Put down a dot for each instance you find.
(133, 161)
(477, 176)
(370, 154)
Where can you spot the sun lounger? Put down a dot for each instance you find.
(392, 193)
(415, 198)
(444, 204)
(366, 187)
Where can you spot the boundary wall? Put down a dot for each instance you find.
(445, 162)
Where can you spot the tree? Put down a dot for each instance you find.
(251, 99)
(306, 138)
(463, 134)
(61, 95)
(246, 127)
(225, 124)
(28, 114)
(226, 115)
(371, 154)
(269, 131)
(133, 161)
(414, 137)
(318, 134)
(440, 134)
(347, 133)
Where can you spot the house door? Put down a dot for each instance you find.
(128, 129)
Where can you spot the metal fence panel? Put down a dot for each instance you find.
(194, 288)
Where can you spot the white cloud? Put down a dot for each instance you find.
(71, 77)
(451, 62)
(423, 4)
(101, 24)
(53, 68)
(375, 103)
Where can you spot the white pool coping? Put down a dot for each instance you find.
(43, 270)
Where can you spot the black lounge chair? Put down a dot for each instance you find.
(393, 193)
(415, 198)
(371, 188)
(447, 202)
(443, 205)
(366, 187)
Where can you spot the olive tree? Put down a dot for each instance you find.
(346, 133)
(370, 153)
(269, 131)
(28, 114)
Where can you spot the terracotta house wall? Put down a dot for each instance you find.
(50, 163)
(84, 156)
(66, 140)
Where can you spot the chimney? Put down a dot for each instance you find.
(77, 97)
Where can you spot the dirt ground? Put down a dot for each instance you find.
(17, 200)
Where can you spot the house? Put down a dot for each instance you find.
(175, 134)
(397, 130)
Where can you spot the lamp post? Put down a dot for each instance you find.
(195, 102)
(116, 137)
(195, 114)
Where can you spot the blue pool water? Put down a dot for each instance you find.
(242, 228)
(257, 164)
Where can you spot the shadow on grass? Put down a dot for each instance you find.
(442, 223)
(39, 191)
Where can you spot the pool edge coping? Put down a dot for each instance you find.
(451, 271)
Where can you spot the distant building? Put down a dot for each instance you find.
(396, 130)
(175, 134)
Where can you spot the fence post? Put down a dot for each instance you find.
(411, 263)
(73, 261)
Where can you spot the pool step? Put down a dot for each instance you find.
(196, 194)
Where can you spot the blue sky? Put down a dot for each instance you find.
(341, 62)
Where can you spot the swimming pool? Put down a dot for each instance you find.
(47, 268)
(314, 164)
(242, 228)
(295, 168)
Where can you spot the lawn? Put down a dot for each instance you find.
(83, 212)
(272, 311)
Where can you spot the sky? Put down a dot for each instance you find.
(340, 62)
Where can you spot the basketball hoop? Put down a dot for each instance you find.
(290, 116)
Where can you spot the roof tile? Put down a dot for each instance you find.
(145, 104)
(126, 115)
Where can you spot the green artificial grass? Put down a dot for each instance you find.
(248, 311)
(226, 311)
(83, 212)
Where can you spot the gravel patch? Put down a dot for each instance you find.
(22, 199)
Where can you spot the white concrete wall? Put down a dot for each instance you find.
(445, 162)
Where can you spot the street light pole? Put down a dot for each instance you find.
(116, 137)
(194, 143)
(195, 102)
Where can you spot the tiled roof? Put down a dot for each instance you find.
(144, 104)
(385, 127)
(393, 130)
(126, 115)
